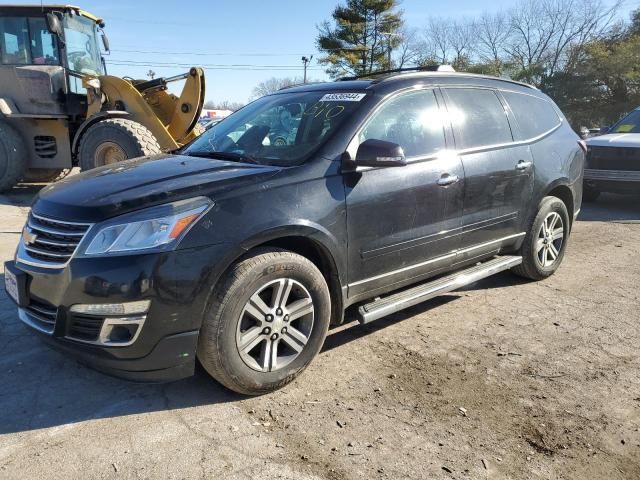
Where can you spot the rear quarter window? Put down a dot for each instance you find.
(535, 116)
(478, 118)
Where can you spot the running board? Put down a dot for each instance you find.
(382, 307)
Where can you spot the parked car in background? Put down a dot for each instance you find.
(613, 159)
(241, 251)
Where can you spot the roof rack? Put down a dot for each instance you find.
(424, 68)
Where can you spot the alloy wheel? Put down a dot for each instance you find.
(275, 325)
(550, 239)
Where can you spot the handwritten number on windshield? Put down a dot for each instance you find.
(327, 110)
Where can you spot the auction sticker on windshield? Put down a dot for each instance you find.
(343, 97)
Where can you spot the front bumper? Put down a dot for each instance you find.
(176, 284)
(613, 181)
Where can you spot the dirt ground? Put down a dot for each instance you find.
(506, 379)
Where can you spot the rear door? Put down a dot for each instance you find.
(400, 219)
(498, 171)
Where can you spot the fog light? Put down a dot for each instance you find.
(122, 333)
(129, 308)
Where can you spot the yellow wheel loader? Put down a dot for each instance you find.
(59, 108)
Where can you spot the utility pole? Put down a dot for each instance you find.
(388, 35)
(305, 62)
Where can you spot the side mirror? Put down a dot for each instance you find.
(105, 42)
(604, 129)
(378, 153)
(53, 24)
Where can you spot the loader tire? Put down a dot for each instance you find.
(13, 157)
(113, 140)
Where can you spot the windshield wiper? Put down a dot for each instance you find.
(234, 157)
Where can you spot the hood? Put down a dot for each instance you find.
(615, 140)
(104, 192)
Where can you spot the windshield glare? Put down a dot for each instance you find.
(83, 54)
(282, 129)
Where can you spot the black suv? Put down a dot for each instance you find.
(241, 252)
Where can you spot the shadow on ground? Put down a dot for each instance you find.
(42, 388)
(612, 208)
(21, 195)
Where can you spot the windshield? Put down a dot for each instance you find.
(629, 124)
(83, 53)
(282, 129)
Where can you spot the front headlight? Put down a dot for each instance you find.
(153, 228)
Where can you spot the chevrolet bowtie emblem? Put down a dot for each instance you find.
(28, 236)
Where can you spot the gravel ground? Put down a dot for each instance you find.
(505, 379)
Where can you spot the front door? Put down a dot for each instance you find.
(498, 172)
(401, 219)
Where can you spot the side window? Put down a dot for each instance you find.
(534, 115)
(411, 120)
(44, 50)
(478, 118)
(14, 39)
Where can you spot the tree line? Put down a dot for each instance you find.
(577, 51)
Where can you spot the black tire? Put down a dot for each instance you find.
(45, 175)
(131, 138)
(218, 350)
(13, 157)
(589, 194)
(531, 266)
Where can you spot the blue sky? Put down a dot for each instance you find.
(163, 33)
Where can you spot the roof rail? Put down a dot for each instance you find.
(424, 68)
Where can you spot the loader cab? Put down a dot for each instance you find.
(80, 47)
(53, 36)
(45, 52)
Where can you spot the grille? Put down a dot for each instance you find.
(52, 241)
(84, 327)
(613, 158)
(42, 315)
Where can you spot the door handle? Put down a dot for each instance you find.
(447, 179)
(522, 165)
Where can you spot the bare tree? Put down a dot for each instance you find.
(409, 48)
(462, 39)
(223, 105)
(437, 39)
(547, 35)
(492, 32)
(273, 84)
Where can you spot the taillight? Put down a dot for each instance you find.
(583, 145)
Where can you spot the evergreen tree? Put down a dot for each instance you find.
(361, 37)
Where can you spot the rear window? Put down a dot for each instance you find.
(478, 118)
(534, 115)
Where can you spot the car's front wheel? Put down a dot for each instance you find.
(546, 241)
(267, 320)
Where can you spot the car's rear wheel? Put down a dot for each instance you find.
(267, 320)
(545, 243)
